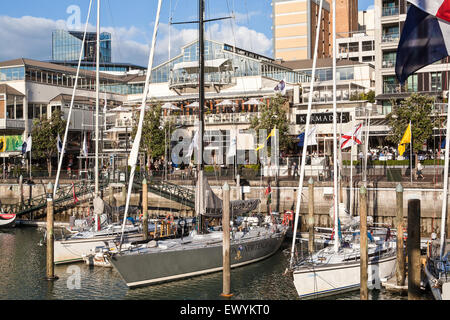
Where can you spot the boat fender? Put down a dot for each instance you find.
(152, 244)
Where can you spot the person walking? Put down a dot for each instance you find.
(419, 171)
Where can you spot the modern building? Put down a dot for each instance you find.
(33, 89)
(358, 46)
(294, 28)
(353, 79)
(295, 23)
(431, 80)
(66, 46)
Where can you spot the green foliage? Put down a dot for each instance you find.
(44, 136)
(369, 96)
(273, 115)
(417, 109)
(152, 141)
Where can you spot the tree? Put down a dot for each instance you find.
(153, 131)
(417, 109)
(271, 115)
(45, 134)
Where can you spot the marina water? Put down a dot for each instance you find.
(22, 273)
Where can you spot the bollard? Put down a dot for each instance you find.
(226, 290)
(364, 257)
(400, 272)
(311, 216)
(413, 247)
(145, 209)
(50, 235)
(21, 190)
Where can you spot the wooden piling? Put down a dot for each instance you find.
(400, 271)
(311, 215)
(413, 247)
(226, 289)
(50, 235)
(145, 209)
(21, 190)
(364, 256)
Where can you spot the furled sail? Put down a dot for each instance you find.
(214, 205)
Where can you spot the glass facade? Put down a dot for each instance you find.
(66, 46)
(326, 74)
(242, 64)
(9, 74)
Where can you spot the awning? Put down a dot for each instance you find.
(225, 64)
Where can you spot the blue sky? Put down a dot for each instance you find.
(27, 25)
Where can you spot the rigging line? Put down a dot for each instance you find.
(71, 103)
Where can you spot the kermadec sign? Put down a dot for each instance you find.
(321, 118)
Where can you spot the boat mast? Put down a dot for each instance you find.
(445, 191)
(55, 187)
(308, 120)
(335, 191)
(137, 139)
(97, 98)
(201, 102)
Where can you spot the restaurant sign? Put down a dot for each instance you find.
(323, 118)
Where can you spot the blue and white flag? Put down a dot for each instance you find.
(425, 37)
(59, 144)
(281, 87)
(311, 140)
(26, 145)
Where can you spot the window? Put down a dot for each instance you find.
(389, 59)
(390, 84)
(411, 83)
(436, 81)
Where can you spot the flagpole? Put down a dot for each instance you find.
(308, 120)
(445, 191)
(410, 151)
(351, 169)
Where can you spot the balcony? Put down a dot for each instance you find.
(389, 63)
(390, 37)
(192, 80)
(391, 88)
(389, 11)
(221, 118)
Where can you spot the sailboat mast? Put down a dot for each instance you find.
(66, 133)
(445, 189)
(335, 191)
(201, 103)
(97, 98)
(308, 120)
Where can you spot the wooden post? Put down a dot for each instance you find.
(400, 272)
(364, 256)
(311, 215)
(21, 190)
(50, 235)
(238, 187)
(124, 195)
(413, 247)
(145, 209)
(226, 289)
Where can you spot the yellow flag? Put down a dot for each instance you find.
(271, 134)
(406, 139)
(407, 135)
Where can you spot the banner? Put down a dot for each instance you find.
(11, 143)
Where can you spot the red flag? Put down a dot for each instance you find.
(75, 199)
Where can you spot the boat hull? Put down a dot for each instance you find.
(69, 251)
(322, 281)
(7, 221)
(149, 268)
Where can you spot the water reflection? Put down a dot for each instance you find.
(22, 275)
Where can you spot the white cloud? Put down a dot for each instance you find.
(31, 37)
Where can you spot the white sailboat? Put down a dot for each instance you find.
(336, 268)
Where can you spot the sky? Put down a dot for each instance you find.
(26, 26)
